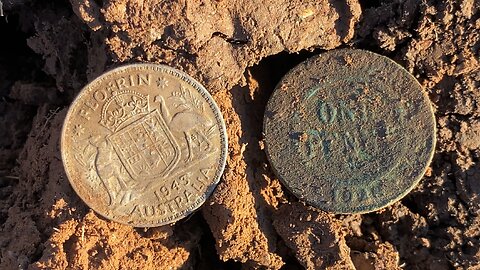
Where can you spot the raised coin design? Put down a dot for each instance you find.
(349, 131)
(144, 145)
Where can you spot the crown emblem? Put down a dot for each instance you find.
(122, 108)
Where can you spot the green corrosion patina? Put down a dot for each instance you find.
(349, 131)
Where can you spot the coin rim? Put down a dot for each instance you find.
(373, 207)
(218, 117)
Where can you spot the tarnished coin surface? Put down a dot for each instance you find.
(144, 145)
(349, 131)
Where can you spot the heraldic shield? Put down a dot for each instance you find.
(140, 136)
(146, 147)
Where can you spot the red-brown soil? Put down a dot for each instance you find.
(239, 50)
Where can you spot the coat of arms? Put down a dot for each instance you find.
(143, 143)
(140, 137)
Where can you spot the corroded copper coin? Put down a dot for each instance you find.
(144, 145)
(349, 131)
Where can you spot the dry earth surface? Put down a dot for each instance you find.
(239, 50)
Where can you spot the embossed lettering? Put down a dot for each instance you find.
(92, 105)
(400, 111)
(121, 83)
(375, 191)
(129, 81)
(362, 194)
(185, 179)
(148, 211)
(175, 185)
(88, 106)
(100, 95)
(84, 113)
(198, 185)
(358, 195)
(329, 112)
(342, 195)
(205, 172)
(136, 210)
(162, 193)
(170, 207)
(110, 86)
(132, 81)
(318, 143)
(188, 195)
(185, 182)
(178, 201)
(352, 143)
(144, 79)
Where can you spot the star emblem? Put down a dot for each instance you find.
(162, 82)
(78, 130)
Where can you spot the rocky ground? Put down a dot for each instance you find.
(239, 50)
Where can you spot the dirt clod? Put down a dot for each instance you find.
(316, 237)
